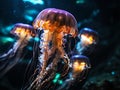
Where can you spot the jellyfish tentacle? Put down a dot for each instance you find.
(66, 67)
(48, 79)
(38, 82)
(43, 58)
(44, 46)
(14, 54)
(51, 69)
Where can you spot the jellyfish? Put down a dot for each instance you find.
(79, 69)
(24, 32)
(54, 24)
(88, 37)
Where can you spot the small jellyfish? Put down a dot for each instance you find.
(24, 32)
(80, 66)
(55, 24)
(88, 37)
(79, 69)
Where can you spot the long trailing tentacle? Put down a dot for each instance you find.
(14, 54)
(66, 67)
(36, 84)
(33, 66)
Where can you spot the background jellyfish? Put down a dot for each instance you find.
(24, 32)
(54, 25)
(88, 38)
(79, 69)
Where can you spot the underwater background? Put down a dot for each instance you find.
(102, 16)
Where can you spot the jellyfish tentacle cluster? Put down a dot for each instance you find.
(56, 69)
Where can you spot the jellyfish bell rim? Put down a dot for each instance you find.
(88, 31)
(77, 56)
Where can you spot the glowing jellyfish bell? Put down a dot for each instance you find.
(23, 31)
(80, 66)
(53, 19)
(88, 37)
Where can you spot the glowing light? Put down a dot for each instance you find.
(31, 11)
(28, 17)
(41, 2)
(23, 30)
(80, 1)
(56, 79)
(6, 39)
(113, 73)
(30, 48)
(60, 82)
(88, 36)
(95, 12)
(57, 76)
(7, 29)
(36, 39)
(87, 40)
(79, 66)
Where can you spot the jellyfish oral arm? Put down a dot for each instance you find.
(44, 47)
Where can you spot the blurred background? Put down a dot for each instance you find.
(102, 16)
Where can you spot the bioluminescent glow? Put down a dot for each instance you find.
(36, 39)
(57, 76)
(80, 1)
(95, 12)
(57, 79)
(113, 73)
(30, 48)
(31, 12)
(6, 39)
(28, 17)
(41, 2)
(6, 30)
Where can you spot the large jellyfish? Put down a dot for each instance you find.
(54, 25)
(24, 32)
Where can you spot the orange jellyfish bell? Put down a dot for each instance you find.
(80, 66)
(57, 20)
(23, 30)
(88, 36)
